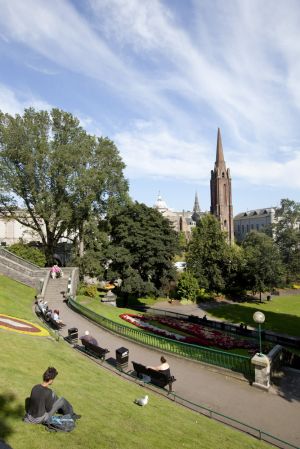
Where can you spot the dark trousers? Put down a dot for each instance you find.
(60, 405)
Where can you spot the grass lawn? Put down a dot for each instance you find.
(110, 418)
(282, 313)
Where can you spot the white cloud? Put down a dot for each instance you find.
(13, 102)
(237, 65)
(150, 149)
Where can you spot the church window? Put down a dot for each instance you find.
(223, 174)
(225, 193)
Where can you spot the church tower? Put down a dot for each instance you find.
(196, 210)
(220, 191)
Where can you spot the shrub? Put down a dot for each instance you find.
(28, 253)
(87, 290)
(188, 287)
(91, 290)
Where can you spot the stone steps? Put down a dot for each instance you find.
(19, 270)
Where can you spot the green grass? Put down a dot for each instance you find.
(110, 418)
(282, 313)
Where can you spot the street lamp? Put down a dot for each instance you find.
(259, 318)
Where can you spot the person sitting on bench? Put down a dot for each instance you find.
(87, 338)
(163, 368)
(55, 317)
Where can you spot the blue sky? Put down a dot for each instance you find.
(159, 78)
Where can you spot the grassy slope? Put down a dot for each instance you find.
(282, 313)
(110, 419)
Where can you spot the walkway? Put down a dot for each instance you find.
(276, 412)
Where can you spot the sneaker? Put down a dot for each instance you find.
(75, 416)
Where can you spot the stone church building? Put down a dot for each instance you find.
(221, 201)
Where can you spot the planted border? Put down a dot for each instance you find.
(234, 362)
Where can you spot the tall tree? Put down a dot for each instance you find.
(287, 236)
(143, 245)
(54, 176)
(263, 267)
(208, 254)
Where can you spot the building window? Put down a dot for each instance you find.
(247, 228)
(225, 193)
(257, 227)
(243, 229)
(252, 226)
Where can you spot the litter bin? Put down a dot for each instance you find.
(73, 335)
(122, 355)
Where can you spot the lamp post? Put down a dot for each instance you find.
(259, 318)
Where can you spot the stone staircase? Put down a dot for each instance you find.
(56, 288)
(20, 270)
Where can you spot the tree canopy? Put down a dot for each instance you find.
(263, 267)
(141, 251)
(54, 176)
(287, 236)
(207, 254)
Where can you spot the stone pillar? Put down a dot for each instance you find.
(262, 371)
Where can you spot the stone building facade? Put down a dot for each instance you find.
(183, 221)
(253, 220)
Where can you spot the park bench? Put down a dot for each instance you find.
(94, 350)
(156, 377)
(45, 314)
(54, 324)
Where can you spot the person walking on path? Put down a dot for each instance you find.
(44, 403)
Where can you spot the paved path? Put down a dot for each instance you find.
(276, 412)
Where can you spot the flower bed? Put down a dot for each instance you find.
(197, 333)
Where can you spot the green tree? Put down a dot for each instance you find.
(287, 236)
(188, 286)
(208, 254)
(233, 268)
(263, 267)
(142, 248)
(54, 176)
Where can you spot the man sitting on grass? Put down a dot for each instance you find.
(44, 403)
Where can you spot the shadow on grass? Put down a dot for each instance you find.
(9, 409)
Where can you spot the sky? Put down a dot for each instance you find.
(159, 77)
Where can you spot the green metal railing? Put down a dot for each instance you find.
(234, 362)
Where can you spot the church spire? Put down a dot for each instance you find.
(220, 154)
(220, 190)
(196, 209)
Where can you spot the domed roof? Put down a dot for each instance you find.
(160, 203)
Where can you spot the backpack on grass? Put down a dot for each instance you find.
(62, 423)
